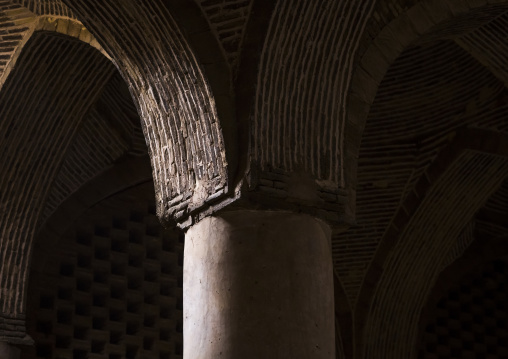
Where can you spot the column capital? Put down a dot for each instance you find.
(297, 192)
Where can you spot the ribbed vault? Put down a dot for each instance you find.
(431, 88)
(422, 99)
(363, 96)
(110, 133)
(424, 86)
(417, 257)
(42, 104)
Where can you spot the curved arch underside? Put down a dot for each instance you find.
(42, 105)
(418, 108)
(110, 135)
(423, 98)
(174, 100)
(416, 260)
(302, 85)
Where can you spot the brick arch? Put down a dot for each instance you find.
(418, 241)
(176, 98)
(383, 50)
(21, 23)
(43, 101)
(69, 27)
(304, 71)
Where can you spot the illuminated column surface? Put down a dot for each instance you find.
(258, 284)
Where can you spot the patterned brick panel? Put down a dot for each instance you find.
(111, 287)
(228, 19)
(471, 319)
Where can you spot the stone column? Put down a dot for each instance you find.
(258, 284)
(9, 351)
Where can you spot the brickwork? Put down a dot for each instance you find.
(468, 320)
(119, 292)
(111, 130)
(389, 170)
(47, 7)
(421, 249)
(50, 121)
(172, 95)
(490, 220)
(406, 128)
(228, 18)
(389, 116)
(14, 27)
(493, 52)
(462, 243)
(300, 102)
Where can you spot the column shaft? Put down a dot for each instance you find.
(258, 284)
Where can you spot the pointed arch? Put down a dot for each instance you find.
(175, 100)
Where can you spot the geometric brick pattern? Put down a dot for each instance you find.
(228, 19)
(471, 319)
(112, 286)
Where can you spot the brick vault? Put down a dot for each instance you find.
(253, 179)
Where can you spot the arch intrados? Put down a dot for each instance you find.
(481, 141)
(409, 27)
